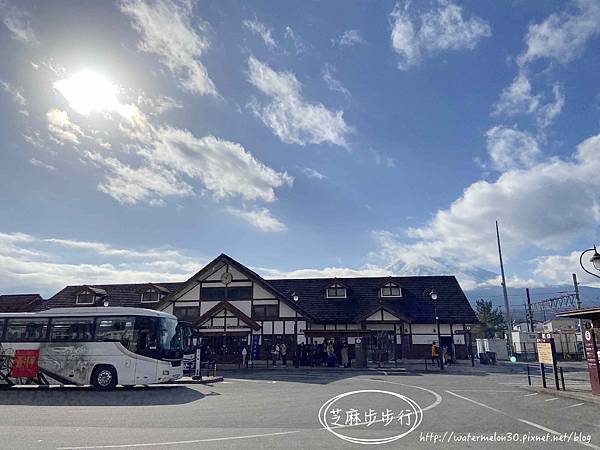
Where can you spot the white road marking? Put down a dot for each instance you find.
(195, 441)
(484, 390)
(438, 397)
(551, 399)
(529, 395)
(527, 422)
(253, 381)
(575, 405)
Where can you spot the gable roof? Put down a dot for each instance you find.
(19, 302)
(116, 294)
(363, 298)
(216, 264)
(223, 304)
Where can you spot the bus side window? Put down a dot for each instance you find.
(27, 329)
(71, 329)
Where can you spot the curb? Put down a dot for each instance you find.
(190, 381)
(574, 395)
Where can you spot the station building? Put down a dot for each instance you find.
(228, 303)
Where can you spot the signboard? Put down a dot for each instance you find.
(591, 356)
(25, 364)
(545, 351)
(255, 353)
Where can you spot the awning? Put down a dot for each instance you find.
(584, 313)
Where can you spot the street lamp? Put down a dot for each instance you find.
(595, 260)
(434, 296)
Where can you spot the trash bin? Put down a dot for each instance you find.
(492, 357)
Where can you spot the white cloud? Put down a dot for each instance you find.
(293, 119)
(167, 31)
(17, 22)
(42, 164)
(518, 99)
(17, 96)
(225, 168)
(325, 272)
(61, 127)
(562, 36)
(545, 207)
(299, 45)
(558, 269)
(146, 183)
(333, 83)
(313, 173)
(511, 148)
(443, 27)
(260, 219)
(261, 30)
(350, 38)
(29, 263)
(170, 158)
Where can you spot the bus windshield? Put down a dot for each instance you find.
(170, 339)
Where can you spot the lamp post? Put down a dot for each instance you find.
(595, 260)
(434, 298)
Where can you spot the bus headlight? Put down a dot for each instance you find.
(165, 372)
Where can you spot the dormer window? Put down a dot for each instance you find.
(336, 290)
(85, 298)
(390, 290)
(151, 296)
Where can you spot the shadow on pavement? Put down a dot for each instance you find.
(86, 396)
(325, 376)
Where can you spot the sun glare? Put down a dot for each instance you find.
(88, 91)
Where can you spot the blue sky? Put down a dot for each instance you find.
(141, 139)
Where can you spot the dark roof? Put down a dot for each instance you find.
(116, 294)
(19, 302)
(363, 298)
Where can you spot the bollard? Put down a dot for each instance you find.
(528, 375)
(543, 372)
(562, 378)
(425, 363)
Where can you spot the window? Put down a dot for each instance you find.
(390, 290)
(260, 312)
(212, 293)
(85, 298)
(336, 291)
(239, 293)
(1, 327)
(116, 329)
(72, 329)
(26, 329)
(151, 296)
(186, 313)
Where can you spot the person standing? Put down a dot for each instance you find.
(244, 353)
(344, 355)
(435, 354)
(275, 353)
(283, 351)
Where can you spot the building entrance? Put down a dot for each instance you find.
(226, 348)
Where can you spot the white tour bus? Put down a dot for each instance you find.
(102, 346)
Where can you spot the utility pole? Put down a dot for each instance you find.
(576, 284)
(526, 315)
(508, 319)
(529, 309)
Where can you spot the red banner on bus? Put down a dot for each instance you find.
(25, 364)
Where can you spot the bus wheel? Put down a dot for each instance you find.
(104, 377)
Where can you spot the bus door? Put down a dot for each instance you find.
(146, 331)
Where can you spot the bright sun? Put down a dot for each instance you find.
(88, 91)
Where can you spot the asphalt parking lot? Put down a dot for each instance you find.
(280, 409)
